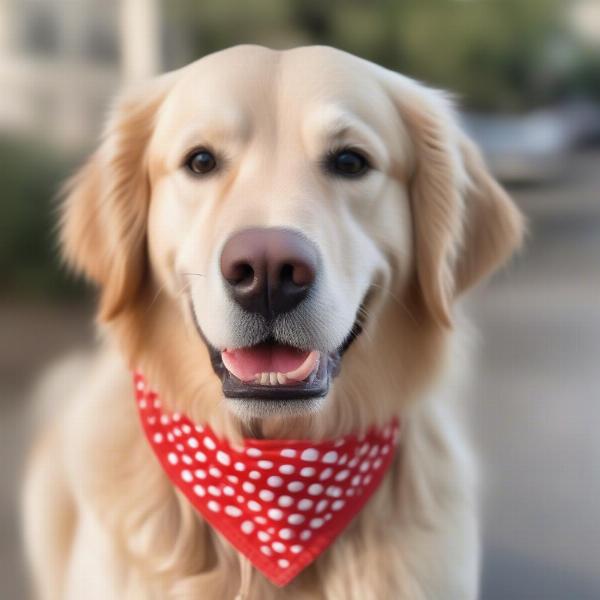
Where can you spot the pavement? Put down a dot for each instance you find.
(535, 400)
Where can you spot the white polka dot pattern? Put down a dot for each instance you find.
(279, 502)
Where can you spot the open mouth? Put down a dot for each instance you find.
(275, 371)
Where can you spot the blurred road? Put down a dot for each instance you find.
(535, 401)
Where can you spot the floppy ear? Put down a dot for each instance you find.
(103, 213)
(493, 227)
(465, 224)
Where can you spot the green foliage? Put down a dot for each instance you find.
(492, 53)
(584, 78)
(29, 178)
(495, 54)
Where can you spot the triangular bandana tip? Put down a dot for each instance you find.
(281, 503)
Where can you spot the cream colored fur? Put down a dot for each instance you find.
(101, 519)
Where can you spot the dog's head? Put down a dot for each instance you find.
(268, 207)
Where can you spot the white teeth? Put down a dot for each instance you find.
(271, 379)
(306, 368)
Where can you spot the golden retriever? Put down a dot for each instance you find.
(389, 214)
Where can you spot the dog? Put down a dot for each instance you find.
(304, 205)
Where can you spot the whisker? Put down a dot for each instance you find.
(186, 285)
(155, 298)
(397, 300)
(160, 290)
(364, 313)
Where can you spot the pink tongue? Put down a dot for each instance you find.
(246, 363)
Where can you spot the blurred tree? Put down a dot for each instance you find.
(493, 53)
(496, 54)
(584, 78)
(500, 55)
(31, 174)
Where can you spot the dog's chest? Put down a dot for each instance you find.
(94, 572)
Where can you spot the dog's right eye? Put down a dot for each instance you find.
(201, 162)
(346, 163)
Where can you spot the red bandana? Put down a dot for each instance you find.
(281, 503)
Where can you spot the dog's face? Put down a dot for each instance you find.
(275, 206)
(284, 201)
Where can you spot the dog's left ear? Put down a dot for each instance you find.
(465, 225)
(492, 227)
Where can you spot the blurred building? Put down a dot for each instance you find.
(61, 61)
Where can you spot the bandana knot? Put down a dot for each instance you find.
(280, 503)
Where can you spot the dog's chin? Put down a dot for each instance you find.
(247, 409)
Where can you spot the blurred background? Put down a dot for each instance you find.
(527, 74)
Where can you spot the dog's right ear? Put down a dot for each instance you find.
(104, 207)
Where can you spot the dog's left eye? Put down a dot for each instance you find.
(347, 162)
(201, 162)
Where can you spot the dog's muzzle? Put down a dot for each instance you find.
(270, 275)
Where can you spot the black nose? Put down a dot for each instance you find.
(269, 271)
